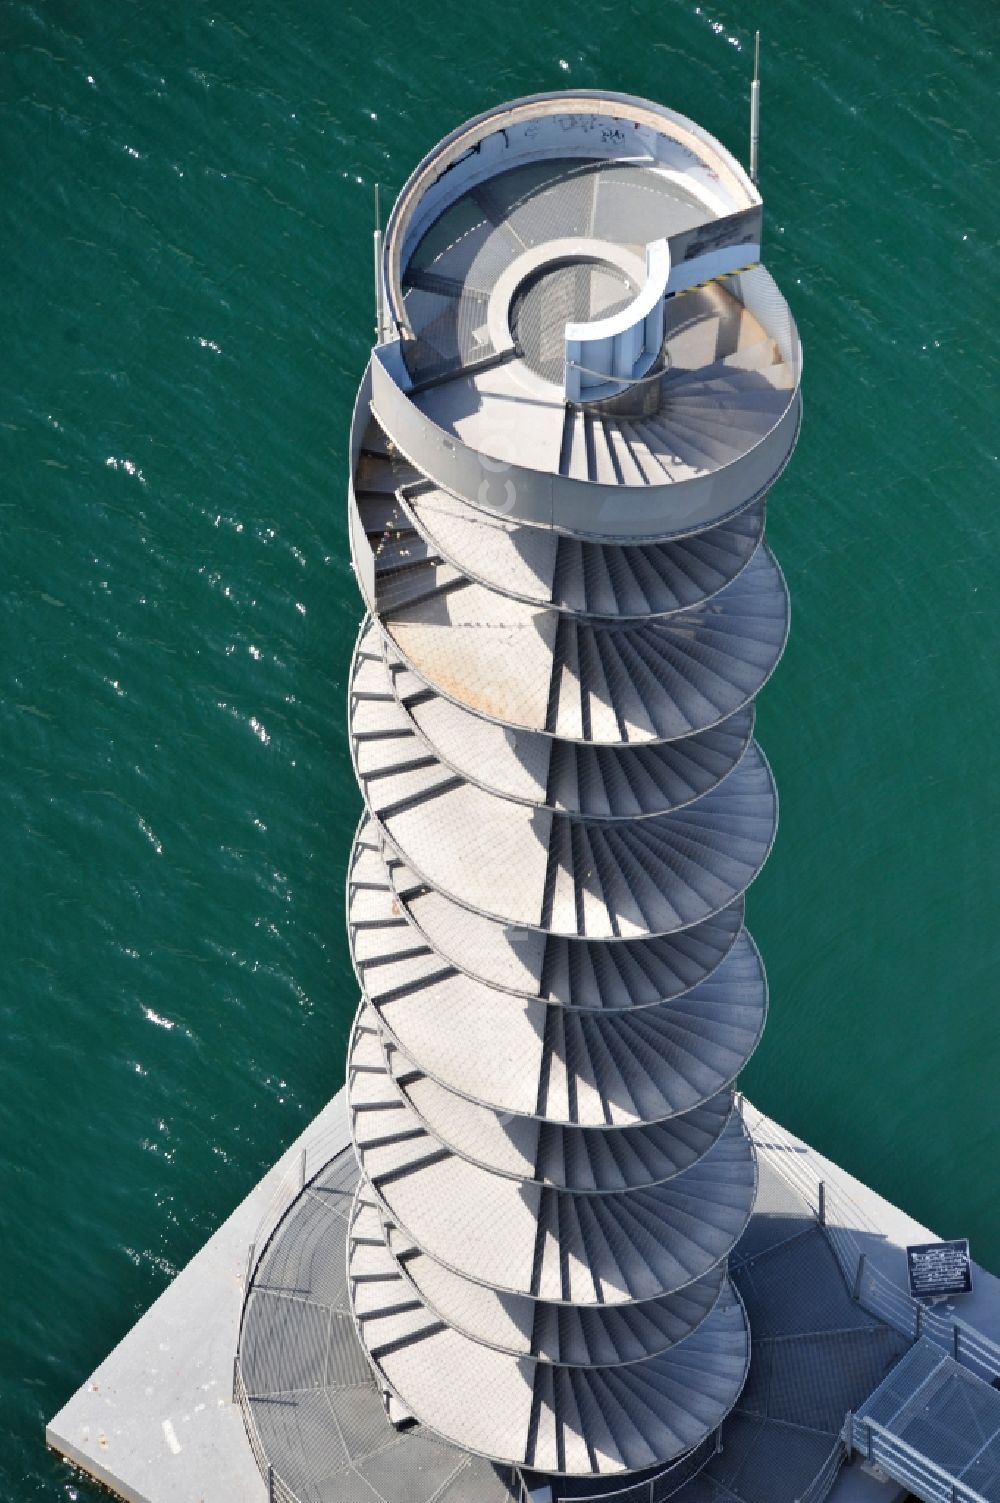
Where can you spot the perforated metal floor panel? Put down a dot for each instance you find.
(460, 257)
(815, 1355)
(933, 1416)
(320, 1420)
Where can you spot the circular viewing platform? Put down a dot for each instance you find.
(573, 297)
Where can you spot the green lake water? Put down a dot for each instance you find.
(186, 269)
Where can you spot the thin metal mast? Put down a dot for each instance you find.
(755, 109)
(379, 295)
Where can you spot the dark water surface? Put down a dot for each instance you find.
(186, 272)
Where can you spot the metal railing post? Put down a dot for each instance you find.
(249, 1270)
(858, 1277)
(822, 1202)
(955, 1340)
(848, 1434)
(270, 1484)
(302, 1170)
(236, 1378)
(920, 1321)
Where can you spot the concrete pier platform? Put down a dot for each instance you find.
(156, 1422)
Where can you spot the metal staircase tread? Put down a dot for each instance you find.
(574, 459)
(430, 1193)
(404, 550)
(658, 468)
(714, 656)
(566, 874)
(746, 421)
(675, 447)
(379, 513)
(691, 441)
(699, 1041)
(527, 963)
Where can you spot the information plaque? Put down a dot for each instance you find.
(939, 1268)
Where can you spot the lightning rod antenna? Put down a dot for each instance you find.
(755, 109)
(379, 293)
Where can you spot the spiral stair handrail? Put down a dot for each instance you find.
(551, 723)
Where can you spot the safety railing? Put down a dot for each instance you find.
(842, 1219)
(277, 1492)
(626, 383)
(328, 1139)
(583, 507)
(824, 1479)
(909, 1467)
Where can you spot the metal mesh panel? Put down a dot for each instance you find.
(450, 242)
(454, 336)
(391, 1472)
(636, 205)
(300, 1425)
(781, 1214)
(284, 1345)
(797, 1287)
(704, 1490)
(337, 1182)
(360, 1418)
(984, 1473)
(474, 1483)
(558, 208)
(567, 293)
(910, 1374)
(346, 1487)
(946, 1433)
(314, 1414)
(309, 1266)
(760, 1457)
(814, 1380)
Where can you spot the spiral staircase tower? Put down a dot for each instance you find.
(584, 384)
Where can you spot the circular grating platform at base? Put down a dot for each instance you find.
(321, 1424)
(310, 1396)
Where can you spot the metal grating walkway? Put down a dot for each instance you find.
(317, 1423)
(320, 1431)
(816, 1354)
(934, 1426)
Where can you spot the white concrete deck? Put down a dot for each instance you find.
(156, 1422)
